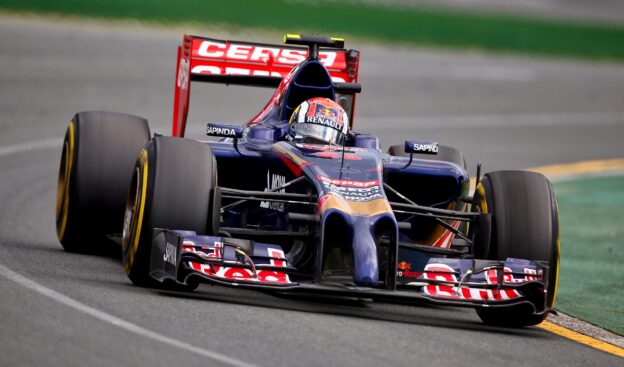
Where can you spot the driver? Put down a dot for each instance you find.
(319, 121)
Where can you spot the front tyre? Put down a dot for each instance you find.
(171, 188)
(524, 225)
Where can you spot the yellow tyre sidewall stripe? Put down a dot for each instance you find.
(69, 157)
(483, 205)
(134, 245)
(554, 298)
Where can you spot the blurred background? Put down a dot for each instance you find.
(516, 84)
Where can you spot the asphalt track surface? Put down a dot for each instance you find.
(64, 309)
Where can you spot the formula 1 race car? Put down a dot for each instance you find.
(267, 207)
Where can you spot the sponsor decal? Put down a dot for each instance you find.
(425, 147)
(170, 254)
(430, 148)
(234, 273)
(325, 122)
(273, 182)
(405, 272)
(214, 251)
(358, 194)
(227, 58)
(443, 272)
(242, 52)
(348, 183)
(323, 111)
(510, 277)
(210, 69)
(220, 131)
(409, 274)
(188, 246)
(352, 190)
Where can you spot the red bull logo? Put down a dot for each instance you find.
(404, 270)
(324, 111)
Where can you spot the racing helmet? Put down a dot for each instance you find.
(319, 120)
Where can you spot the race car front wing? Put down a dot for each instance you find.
(186, 258)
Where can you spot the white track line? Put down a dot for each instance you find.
(100, 315)
(103, 316)
(110, 319)
(31, 145)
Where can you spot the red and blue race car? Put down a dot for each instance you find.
(266, 207)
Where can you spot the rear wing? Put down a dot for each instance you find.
(253, 64)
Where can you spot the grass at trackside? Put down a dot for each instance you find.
(420, 26)
(592, 250)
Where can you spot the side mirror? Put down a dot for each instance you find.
(423, 147)
(224, 131)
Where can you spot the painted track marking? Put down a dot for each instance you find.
(558, 172)
(29, 146)
(552, 171)
(582, 338)
(100, 315)
(580, 169)
(115, 321)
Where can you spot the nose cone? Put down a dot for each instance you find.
(365, 264)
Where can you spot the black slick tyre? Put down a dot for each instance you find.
(524, 225)
(171, 188)
(445, 153)
(98, 154)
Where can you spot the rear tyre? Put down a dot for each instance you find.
(524, 225)
(171, 188)
(99, 150)
(445, 153)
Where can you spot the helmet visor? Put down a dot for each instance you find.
(315, 133)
